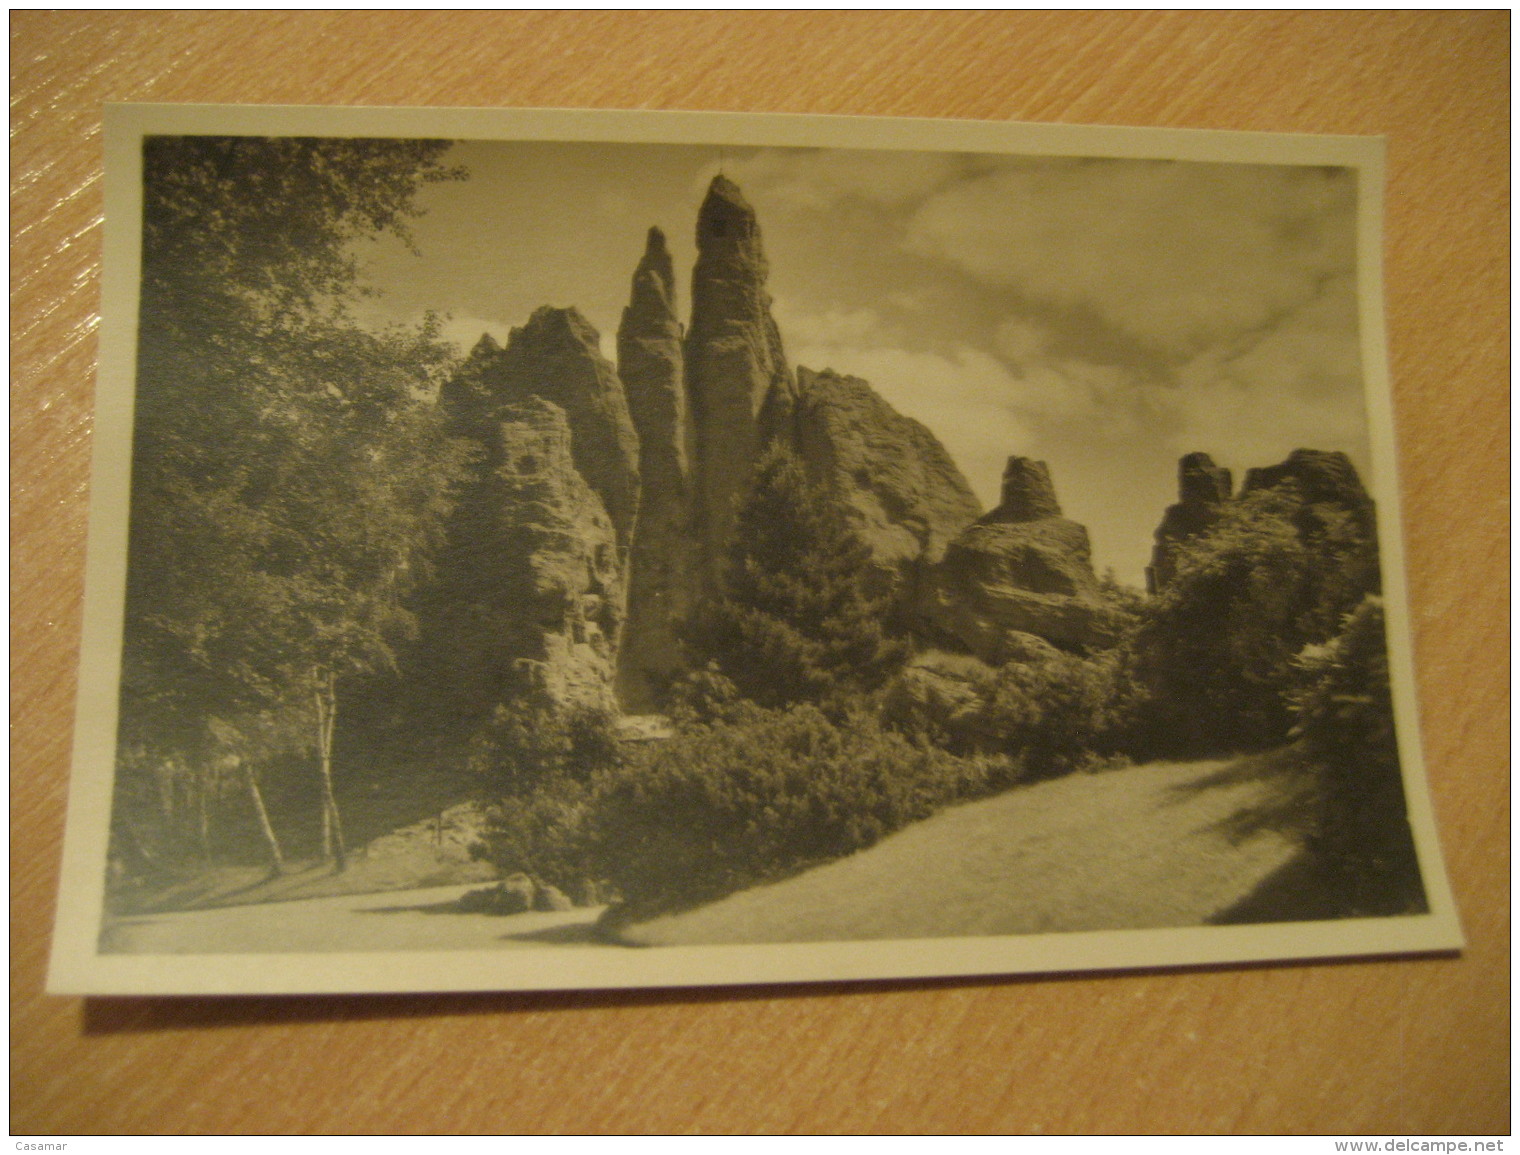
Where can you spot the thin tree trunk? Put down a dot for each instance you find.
(264, 825)
(332, 823)
(205, 820)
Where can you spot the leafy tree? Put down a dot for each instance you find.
(1217, 645)
(290, 472)
(1342, 702)
(794, 620)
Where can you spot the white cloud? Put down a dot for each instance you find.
(465, 331)
(1176, 255)
(809, 180)
(832, 327)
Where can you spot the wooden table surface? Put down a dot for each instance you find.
(1384, 1047)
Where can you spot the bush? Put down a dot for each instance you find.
(1342, 700)
(545, 836)
(1053, 711)
(1062, 713)
(1217, 645)
(723, 807)
(535, 767)
(530, 743)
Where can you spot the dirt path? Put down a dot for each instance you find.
(398, 920)
(1151, 846)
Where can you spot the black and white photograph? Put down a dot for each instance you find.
(535, 550)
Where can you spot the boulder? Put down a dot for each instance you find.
(943, 696)
(733, 362)
(1021, 569)
(898, 489)
(1203, 488)
(548, 897)
(662, 565)
(512, 895)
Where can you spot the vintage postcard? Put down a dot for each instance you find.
(555, 549)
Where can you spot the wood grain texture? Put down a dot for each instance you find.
(1393, 1046)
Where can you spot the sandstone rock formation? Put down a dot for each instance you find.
(1336, 508)
(663, 563)
(1325, 483)
(734, 360)
(561, 582)
(557, 356)
(898, 489)
(1202, 490)
(1021, 569)
(529, 596)
(1322, 477)
(1028, 493)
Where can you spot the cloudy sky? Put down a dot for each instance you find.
(1104, 316)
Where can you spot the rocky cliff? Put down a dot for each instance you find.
(663, 564)
(734, 360)
(557, 356)
(1323, 478)
(1021, 569)
(530, 597)
(562, 586)
(1330, 496)
(898, 489)
(1202, 490)
(530, 586)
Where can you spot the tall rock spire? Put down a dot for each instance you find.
(733, 359)
(662, 563)
(1203, 488)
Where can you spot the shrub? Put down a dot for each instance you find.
(1052, 711)
(1217, 645)
(544, 835)
(723, 807)
(1060, 713)
(529, 743)
(1342, 700)
(535, 767)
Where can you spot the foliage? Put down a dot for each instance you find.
(705, 696)
(1051, 711)
(722, 807)
(263, 225)
(1342, 701)
(543, 833)
(1126, 604)
(1216, 646)
(1061, 713)
(290, 474)
(794, 621)
(528, 743)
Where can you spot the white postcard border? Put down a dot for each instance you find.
(78, 966)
